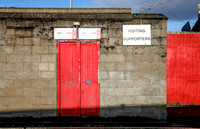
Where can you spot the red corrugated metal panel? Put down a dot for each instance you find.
(183, 71)
(89, 79)
(69, 79)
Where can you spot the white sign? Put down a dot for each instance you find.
(65, 33)
(136, 34)
(89, 33)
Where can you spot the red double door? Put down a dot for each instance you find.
(78, 87)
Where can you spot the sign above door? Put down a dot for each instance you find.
(71, 33)
(65, 33)
(89, 33)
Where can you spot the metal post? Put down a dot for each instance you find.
(70, 3)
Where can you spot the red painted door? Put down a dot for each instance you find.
(69, 79)
(89, 79)
(78, 87)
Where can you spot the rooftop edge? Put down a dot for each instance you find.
(66, 10)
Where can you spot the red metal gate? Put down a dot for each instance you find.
(78, 88)
(183, 71)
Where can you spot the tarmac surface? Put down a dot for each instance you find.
(101, 123)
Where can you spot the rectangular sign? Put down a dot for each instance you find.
(89, 33)
(136, 34)
(65, 33)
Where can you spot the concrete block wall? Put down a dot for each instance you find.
(132, 78)
(28, 70)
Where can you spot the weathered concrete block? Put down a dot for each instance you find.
(2, 84)
(2, 40)
(114, 91)
(161, 91)
(2, 58)
(23, 50)
(159, 41)
(115, 58)
(135, 58)
(43, 83)
(14, 92)
(19, 83)
(120, 49)
(31, 92)
(43, 100)
(158, 82)
(142, 68)
(4, 101)
(11, 42)
(23, 33)
(9, 49)
(125, 101)
(108, 101)
(45, 42)
(114, 33)
(31, 58)
(52, 49)
(129, 49)
(48, 58)
(36, 41)
(52, 67)
(2, 93)
(19, 41)
(115, 25)
(129, 66)
(120, 66)
(141, 82)
(3, 27)
(107, 66)
(63, 23)
(52, 84)
(103, 75)
(143, 50)
(116, 75)
(11, 67)
(149, 91)
(48, 92)
(141, 100)
(113, 41)
(104, 33)
(28, 42)
(157, 100)
(108, 83)
(43, 66)
(2, 67)
(47, 74)
(10, 32)
(124, 83)
(135, 91)
(14, 58)
(159, 32)
(40, 49)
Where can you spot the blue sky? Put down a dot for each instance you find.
(178, 11)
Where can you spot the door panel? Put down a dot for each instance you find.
(90, 99)
(89, 79)
(69, 79)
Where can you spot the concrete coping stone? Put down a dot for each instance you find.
(67, 10)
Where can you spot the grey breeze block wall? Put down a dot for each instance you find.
(132, 78)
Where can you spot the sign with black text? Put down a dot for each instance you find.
(136, 34)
